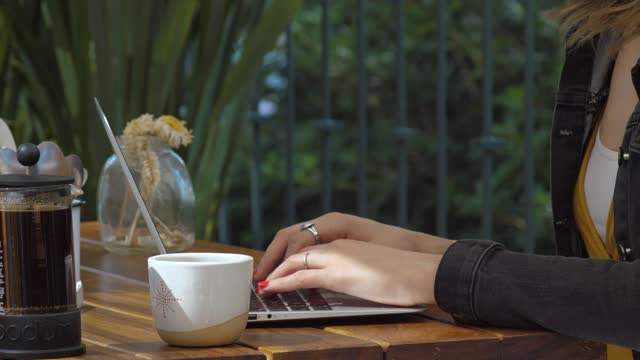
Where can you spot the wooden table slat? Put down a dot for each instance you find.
(116, 295)
(417, 337)
(137, 336)
(532, 344)
(96, 351)
(308, 343)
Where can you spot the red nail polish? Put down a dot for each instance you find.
(263, 284)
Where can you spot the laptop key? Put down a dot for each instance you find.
(295, 301)
(299, 306)
(255, 304)
(275, 304)
(319, 300)
(255, 307)
(271, 303)
(321, 307)
(290, 295)
(316, 300)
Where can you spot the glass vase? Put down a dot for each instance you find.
(165, 185)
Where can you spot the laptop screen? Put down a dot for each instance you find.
(135, 190)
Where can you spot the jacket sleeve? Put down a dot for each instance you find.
(481, 283)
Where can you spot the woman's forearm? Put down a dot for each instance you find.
(429, 244)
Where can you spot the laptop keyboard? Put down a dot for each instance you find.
(300, 300)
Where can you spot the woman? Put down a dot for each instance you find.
(596, 215)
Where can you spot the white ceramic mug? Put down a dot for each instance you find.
(200, 299)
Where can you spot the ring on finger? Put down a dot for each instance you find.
(311, 227)
(305, 264)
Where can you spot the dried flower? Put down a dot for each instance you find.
(173, 131)
(167, 128)
(150, 172)
(176, 124)
(141, 126)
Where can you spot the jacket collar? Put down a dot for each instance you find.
(635, 75)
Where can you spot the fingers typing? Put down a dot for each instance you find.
(274, 254)
(304, 279)
(315, 260)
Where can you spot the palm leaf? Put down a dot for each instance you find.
(5, 46)
(262, 39)
(167, 47)
(236, 86)
(209, 196)
(275, 19)
(214, 75)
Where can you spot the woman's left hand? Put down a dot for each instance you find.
(373, 272)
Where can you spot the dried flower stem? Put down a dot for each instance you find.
(150, 176)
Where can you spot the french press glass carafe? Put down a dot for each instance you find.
(38, 313)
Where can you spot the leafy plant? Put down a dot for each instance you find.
(195, 59)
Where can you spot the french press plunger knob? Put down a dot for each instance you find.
(28, 155)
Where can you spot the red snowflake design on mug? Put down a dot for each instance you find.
(165, 299)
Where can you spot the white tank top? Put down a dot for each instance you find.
(599, 182)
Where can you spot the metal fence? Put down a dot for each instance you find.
(403, 130)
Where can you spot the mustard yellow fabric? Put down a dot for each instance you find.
(595, 247)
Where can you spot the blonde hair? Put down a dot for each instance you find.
(584, 19)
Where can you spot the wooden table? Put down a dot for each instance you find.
(117, 324)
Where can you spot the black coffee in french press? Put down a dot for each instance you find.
(37, 283)
(39, 317)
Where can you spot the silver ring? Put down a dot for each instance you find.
(304, 261)
(310, 226)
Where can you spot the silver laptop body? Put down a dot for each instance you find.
(295, 305)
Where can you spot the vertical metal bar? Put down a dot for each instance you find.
(223, 221)
(529, 122)
(441, 115)
(362, 108)
(401, 99)
(487, 119)
(256, 173)
(256, 188)
(326, 107)
(326, 82)
(291, 124)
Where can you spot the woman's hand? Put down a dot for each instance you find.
(335, 226)
(369, 271)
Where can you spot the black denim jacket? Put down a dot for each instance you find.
(482, 283)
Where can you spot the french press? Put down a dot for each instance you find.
(38, 313)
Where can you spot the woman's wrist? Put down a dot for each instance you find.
(430, 244)
(425, 278)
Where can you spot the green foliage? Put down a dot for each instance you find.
(191, 58)
(465, 75)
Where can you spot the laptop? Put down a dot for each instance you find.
(295, 305)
